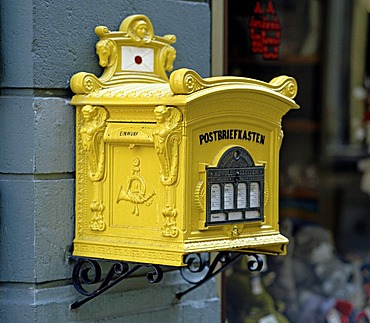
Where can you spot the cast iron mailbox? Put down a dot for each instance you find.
(169, 167)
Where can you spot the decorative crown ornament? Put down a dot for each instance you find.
(134, 48)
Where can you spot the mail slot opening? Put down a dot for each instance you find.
(235, 189)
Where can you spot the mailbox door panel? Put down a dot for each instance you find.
(121, 210)
(242, 205)
(131, 190)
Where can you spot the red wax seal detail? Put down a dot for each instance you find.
(138, 59)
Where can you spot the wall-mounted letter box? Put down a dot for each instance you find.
(169, 167)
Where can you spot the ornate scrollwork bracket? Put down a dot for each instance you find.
(88, 272)
(199, 269)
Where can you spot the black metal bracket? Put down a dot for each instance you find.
(87, 271)
(198, 270)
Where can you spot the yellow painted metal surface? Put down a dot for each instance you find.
(167, 167)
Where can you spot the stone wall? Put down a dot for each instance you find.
(43, 43)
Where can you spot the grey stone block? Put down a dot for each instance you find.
(54, 142)
(16, 46)
(15, 303)
(54, 228)
(37, 135)
(16, 135)
(17, 257)
(36, 229)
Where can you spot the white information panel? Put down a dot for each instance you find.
(228, 196)
(215, 197)
(254, 198)
(242, 196)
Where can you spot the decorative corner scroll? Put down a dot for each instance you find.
(285, 85)
(101, 31)
(185, 81)
(84, 83)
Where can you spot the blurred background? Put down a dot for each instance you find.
(324, 160)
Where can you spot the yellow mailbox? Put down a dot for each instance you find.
(169, 167)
